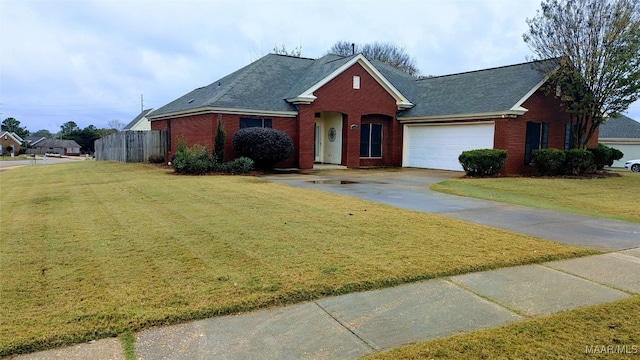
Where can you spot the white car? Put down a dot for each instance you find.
(633, 165)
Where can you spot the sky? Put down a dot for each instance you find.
(93, 62)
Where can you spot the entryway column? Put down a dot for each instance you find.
(306, 131)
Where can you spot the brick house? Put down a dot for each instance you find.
(355, 112)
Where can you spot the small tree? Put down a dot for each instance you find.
(597, 44)
(219, 143)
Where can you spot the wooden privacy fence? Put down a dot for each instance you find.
(131, 146)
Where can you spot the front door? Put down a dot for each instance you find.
(328, 138)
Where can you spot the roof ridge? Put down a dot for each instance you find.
(482, 70)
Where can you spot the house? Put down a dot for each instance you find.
(140, 122)
(56, 146)
(356, 112)
(622, 133)
(10, 143)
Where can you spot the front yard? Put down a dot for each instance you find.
(91, 250)
(611, 197)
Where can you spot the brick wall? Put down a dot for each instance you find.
(510, 133)
(200, 129)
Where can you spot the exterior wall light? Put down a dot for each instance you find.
(354, 126)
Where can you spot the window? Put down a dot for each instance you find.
(250, 122)
(371, 140)
(537, 137)
(568, 136)
(356, 82)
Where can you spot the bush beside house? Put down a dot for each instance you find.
(197, 160)
(483, 162)
(265, 146)
(574, 161)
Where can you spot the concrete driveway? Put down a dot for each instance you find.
(409, 188)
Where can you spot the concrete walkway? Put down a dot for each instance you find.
(354, 325)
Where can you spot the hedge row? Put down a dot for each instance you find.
(574, 161)
(198, 161)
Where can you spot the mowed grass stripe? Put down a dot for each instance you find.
(89, 250)
(608, 197)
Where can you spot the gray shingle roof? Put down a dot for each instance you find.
(265, 84)
(622, 127)
(483, 91)
(56, 143)
(261, 85)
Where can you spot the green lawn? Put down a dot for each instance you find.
(91, 249)
(610, 197)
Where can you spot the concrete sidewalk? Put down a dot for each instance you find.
(354, 325)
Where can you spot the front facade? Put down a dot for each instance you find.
(56, 146)
(10, 143)
(356, 113)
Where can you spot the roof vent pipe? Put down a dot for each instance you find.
(353, 48)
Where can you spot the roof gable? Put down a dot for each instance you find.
(137, 119)
(13, 136)
(327, 71)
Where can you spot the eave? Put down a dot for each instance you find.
(509, 114)
(219, 110)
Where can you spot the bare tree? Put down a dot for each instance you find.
(597, 44)
(116, 124)
(282, 50)
(385, 52)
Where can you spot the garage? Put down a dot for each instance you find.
(437, 146)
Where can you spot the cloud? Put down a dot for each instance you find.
(89, 61)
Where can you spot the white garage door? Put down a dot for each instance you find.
(438, 146)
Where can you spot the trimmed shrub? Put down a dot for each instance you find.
(615, 155)
(600, 155)
(265, 146)
(156, 159)
(577, 161)
(482, 162)
(548, 161)
(195, 160)
(604, 155)
(241, 165)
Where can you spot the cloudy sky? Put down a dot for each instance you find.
(90, 61)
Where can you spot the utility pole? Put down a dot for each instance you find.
(141, 103)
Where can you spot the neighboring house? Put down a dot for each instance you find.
(10, 142)
(55, 146)
(622, 133)
(140, 123)
(355, 112)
